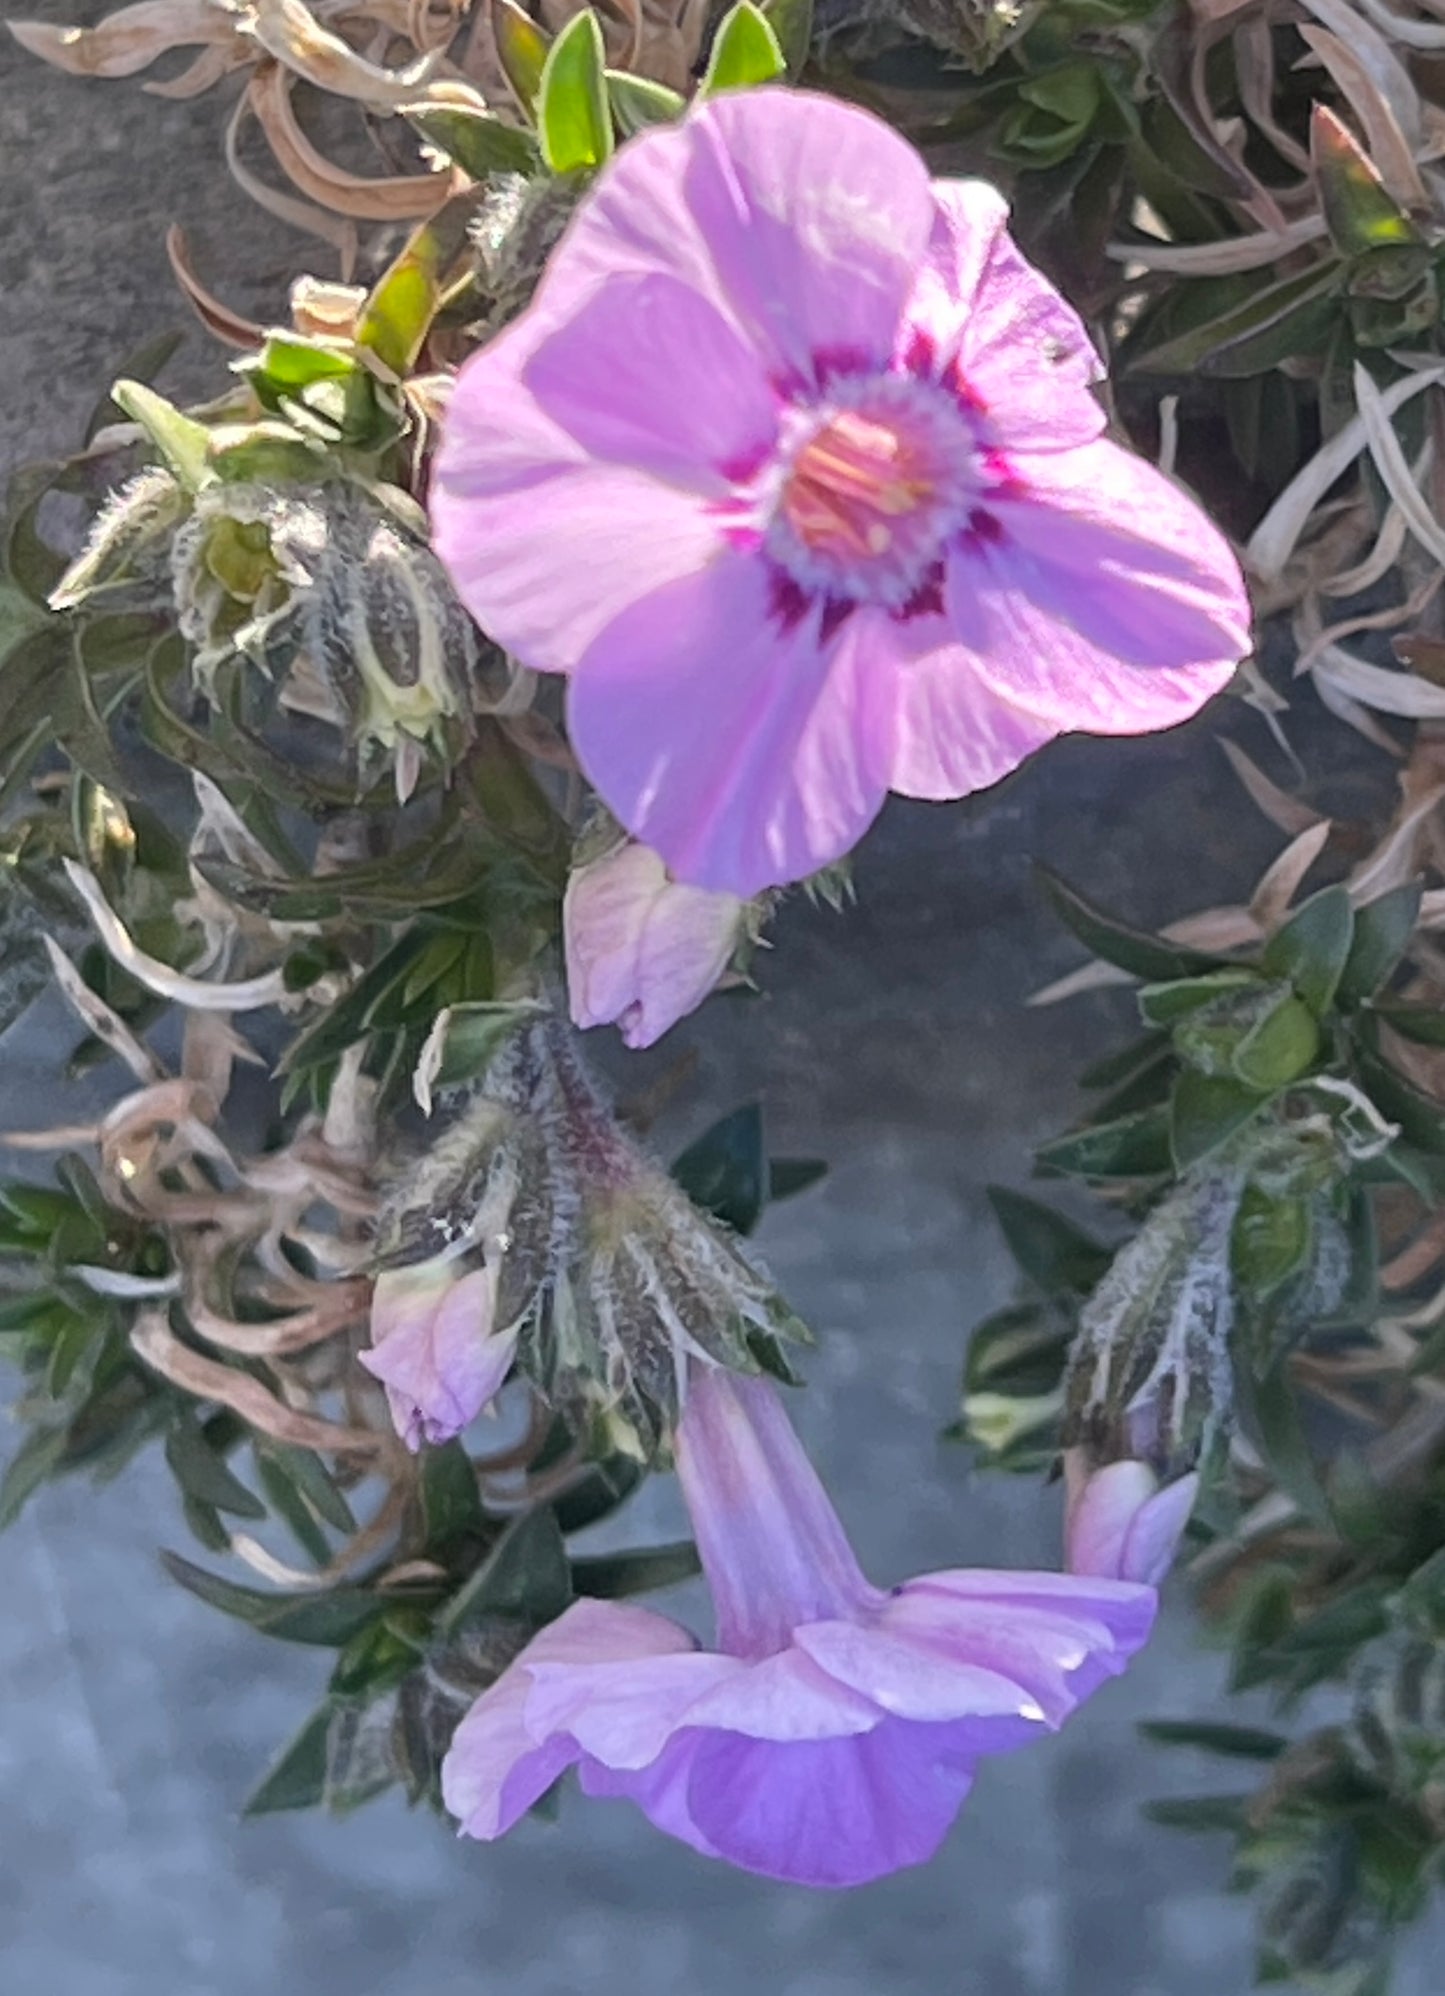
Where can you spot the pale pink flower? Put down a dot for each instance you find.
(434, 1346)
(794, 465)
(1119, 1524)
(643, 950)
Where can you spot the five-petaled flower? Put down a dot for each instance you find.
(795, 466)
(832, 1735)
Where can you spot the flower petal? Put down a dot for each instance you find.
(919, 1680)
(660, 1790)
(622, 1713)
(785, 1697)
(825, 1812)
(1105, 602)
(802, 217)
(441, 1361)
(498, 1764)
(952, 732)
(1021, 350)
(647, 373)
(746, 753)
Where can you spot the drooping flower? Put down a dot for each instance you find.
(435, 1347)
(794, 465)
(643, 950)
(1119, 1523)
(832, 1735)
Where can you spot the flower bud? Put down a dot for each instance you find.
(1118, 1523)
(1149, 1376)
(436, 1347)
(643, 950)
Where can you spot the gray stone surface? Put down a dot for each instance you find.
(891, 1040)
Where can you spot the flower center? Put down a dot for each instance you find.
(879, 477)
(854, 484)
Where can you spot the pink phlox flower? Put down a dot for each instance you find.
(795, 466)
(434, 1347)
(833, 1733)
(643, 950)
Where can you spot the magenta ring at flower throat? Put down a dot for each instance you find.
(872, 479)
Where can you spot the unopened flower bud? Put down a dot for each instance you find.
(1149, 1376)
(436, 1346)
(1118, 1523)
(643, 950)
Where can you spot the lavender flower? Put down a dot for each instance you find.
(643, 950)
(435, 1349)
(834, 1732)
(795, 466)
(1119, 1524)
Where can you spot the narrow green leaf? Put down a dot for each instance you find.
(202, 1472)
(1206, 1110)
(33, 1463)
(1383, 927)
(1200, 1812)
(1359, 210)
(792, 24)
(1271, 1407)
(1313, 947)
(1419, 1117)
(290, 1505)
(637, 102)
(525, 1576)
(1135, 1146)
(297, 1779)
(745, 52)
(614, 1576)
(397, 316)
(184, 444)
(1142, 955)
(573, 120)
(522, 49)
(1165, 1004)
(1059, 1257)
(1275, 323)
(479, 144)
(473, 1036)
(1209, 1736)
(451, 1502)
(726, 1170)
(1424, 1024)
(788, 1176)
(328, 1620)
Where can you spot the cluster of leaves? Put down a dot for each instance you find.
(1293, 1072)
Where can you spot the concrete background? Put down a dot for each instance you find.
(890, 1040)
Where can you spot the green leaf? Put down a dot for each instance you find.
(1135, 1146)
(1059, 1257)
(1200, 1812)
(1278, 1048)
(1419, 1117)
(792, 24)
(788, 1176)
(1270, 1407)
(1165, 1004)
(184, 444)
(1313, 947)
(290, 1505)
(1206, 1110)
(379, 1657)
(726, 1170)
(328, 1619)
(1383, 927)
(297, 1779)
(1141, 954)
(1275, 323)
(573, 120)
(1424, 1024)
(202, 1472)
(1359, 210)
(745, 52)
(1208, 1736)
(396, 318)
(1018, 1351)
(525, 1576)
(638, 103)
(615, 1576)
(451, 1503)
(33, 1463)
(522, 49)
(473, 1036)
(479, 144)
(1271, 1240)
